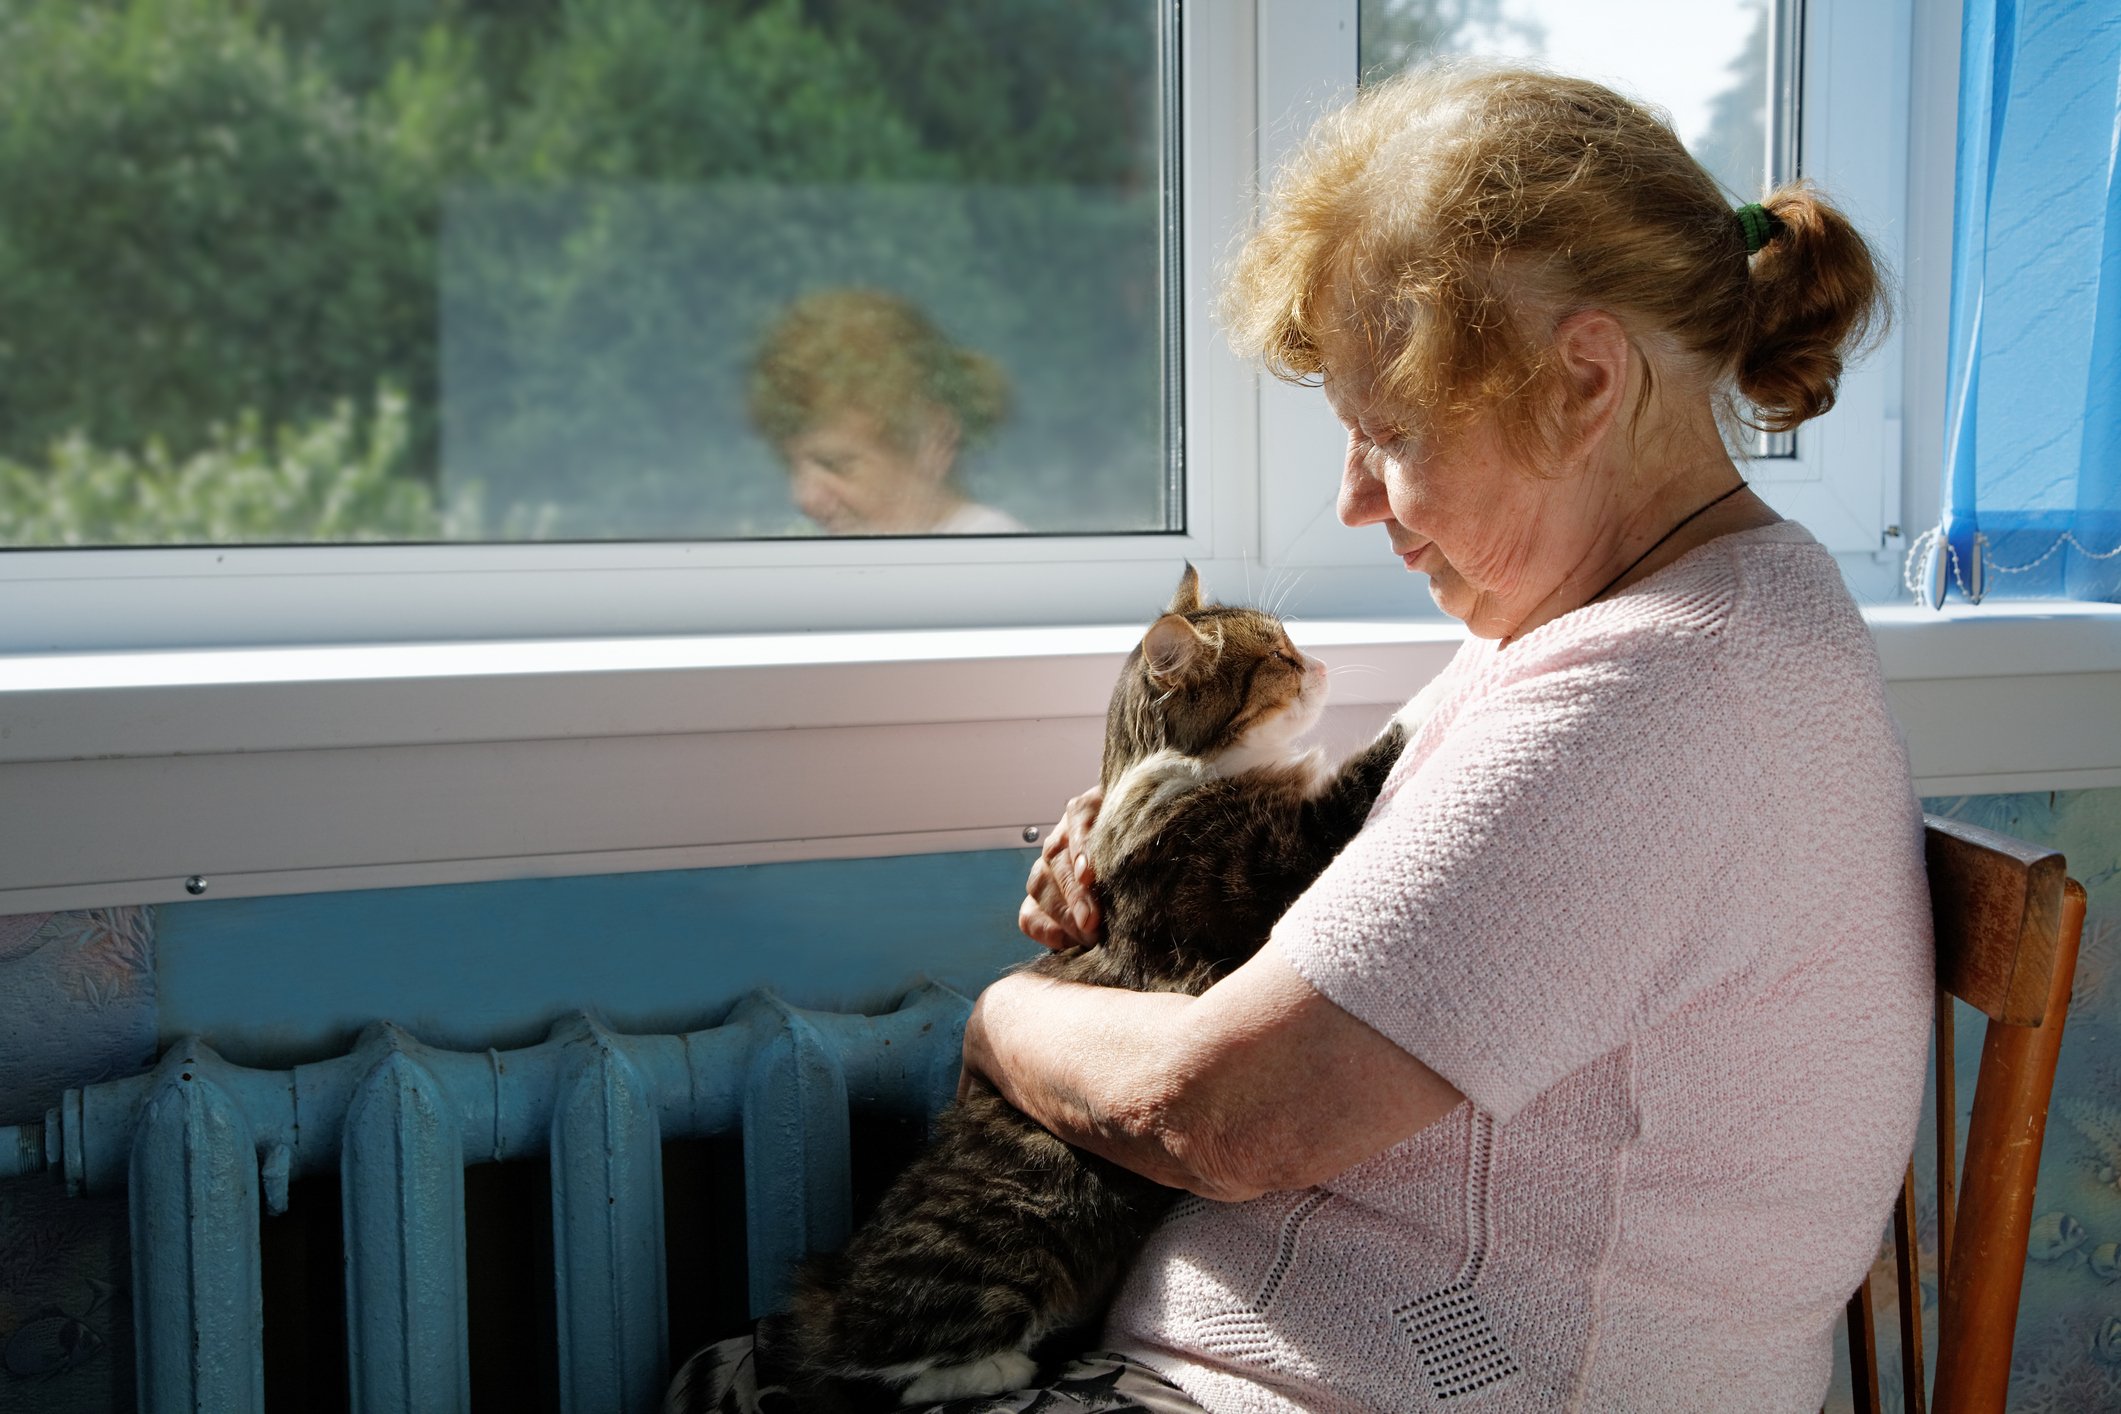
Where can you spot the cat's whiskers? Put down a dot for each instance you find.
(1295, 582)
(1258, 598)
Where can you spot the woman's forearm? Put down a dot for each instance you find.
(1258, 1084)
(1092, 1064)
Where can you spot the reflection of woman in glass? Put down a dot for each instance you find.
(869, 404)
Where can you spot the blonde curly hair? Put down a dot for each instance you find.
(1445, 220)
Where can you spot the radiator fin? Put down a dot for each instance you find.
(795, 1145)
(402, 1180)
(607, 1232)
(198, 1307)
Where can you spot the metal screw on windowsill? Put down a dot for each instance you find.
(1030, 834)
(195, 885)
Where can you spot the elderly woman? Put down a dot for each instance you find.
(1583, 1078)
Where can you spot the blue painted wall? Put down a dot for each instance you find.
(271, 981)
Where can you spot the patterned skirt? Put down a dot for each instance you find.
(726, 1378)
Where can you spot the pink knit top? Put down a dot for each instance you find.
(1647, 888)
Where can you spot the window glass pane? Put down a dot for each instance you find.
(331, 270)
(1705, 62)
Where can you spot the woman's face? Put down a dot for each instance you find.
(1495, 537)
(851, 477)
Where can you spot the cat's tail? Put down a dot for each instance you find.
(749, 1373)
(873, 1336)
(811, 1345)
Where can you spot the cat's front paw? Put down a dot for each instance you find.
(1410, 717)
(1002, 1371)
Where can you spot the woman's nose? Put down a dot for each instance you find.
(1362, 496)
(813, 497)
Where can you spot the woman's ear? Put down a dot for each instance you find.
(1595, 356)
(1170, 649)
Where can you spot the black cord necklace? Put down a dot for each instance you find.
(1697, 514)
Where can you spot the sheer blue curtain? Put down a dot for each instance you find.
(2033, 430)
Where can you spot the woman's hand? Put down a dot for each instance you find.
(1060, 909)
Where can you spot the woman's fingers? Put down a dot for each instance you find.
(1082, 912)
(1076, 879)
(1041, 927)
(1060, 908)
(1044, 916)
(1056, 838)
(1050, 916)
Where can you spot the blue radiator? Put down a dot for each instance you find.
(203, 1146)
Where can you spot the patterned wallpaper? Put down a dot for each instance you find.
(78, 1003)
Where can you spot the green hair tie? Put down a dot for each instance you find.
(1759, 224)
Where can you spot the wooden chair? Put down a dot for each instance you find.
(2007, 923)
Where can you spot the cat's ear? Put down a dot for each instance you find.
(1187, 599)
(1170, 648)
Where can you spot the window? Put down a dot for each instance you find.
(552, 306)
(633, 270)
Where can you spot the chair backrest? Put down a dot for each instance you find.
(2007, 920)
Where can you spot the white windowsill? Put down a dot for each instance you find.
(277, 770)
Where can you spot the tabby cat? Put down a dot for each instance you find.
(1000, 1241)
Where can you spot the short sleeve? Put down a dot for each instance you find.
(1538, 887)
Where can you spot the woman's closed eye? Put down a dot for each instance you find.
(1374, 450)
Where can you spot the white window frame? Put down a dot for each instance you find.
(1844, 482)
(608, 718)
